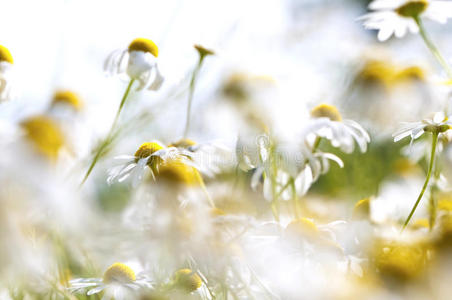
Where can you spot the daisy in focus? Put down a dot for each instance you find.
(439, 124)
(400, 16)
(118, 282)
(327, 123)
(151, 155)
(6, 66)
(139, 62)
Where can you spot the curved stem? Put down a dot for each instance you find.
(427, 179)
(106, 141)
(431, 46)
(191, 93)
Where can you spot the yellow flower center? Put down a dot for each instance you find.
(187, 280)
(144, 45)
(411, 73)
(412, 9)
(302, 227)
(203, 51)
(67, 98)
(146, 150)
(400, 261)
(182, 143)
(326, 111)
(119, 273)
(361, 211)
(44, 134)
(5, 55)
(177, 172)
(445, 204)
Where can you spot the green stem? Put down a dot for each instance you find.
(110, 133)
(427, 179)
(432, 47)
(191, 93)
(294, 198)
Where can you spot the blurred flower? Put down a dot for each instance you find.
(6, 65)
(399, 16)
(438, 124)
(119, 282)
(209, 157)
(187, 280)
(327, 123)
(67, 98)
(44, 134)
(139, 61)
(151, 155)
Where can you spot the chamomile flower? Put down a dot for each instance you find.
(399, 16)
(44, 135)
(327, 123)
(66, 98)
(151, 155)
(439, 124)
(6, 66)
(118, 282)
(139, 62)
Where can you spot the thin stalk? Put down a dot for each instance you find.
(431, 46)
(294, 199)
(191, 93)
(427, 179)
(110, 133)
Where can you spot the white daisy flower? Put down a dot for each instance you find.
(151, 155)
(400, 16)
(327, 123)
(139, 62)
(439, 124)
(282, 165)
(6, 69)
(119, 282)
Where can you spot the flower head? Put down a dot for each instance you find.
(144, 45)
(119, 272)
(68, 98)
(5, 55)
(45, 135)
(139, 62)
(6, 64)
(399, 16)
(187, 280)
(203, 52)
(119, 282)
(438, 124)
(154, 156)
(327, 122)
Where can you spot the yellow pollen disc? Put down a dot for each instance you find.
(119, 273)
(68, 98)
(146, 149)
(400, 261)
(44, 134)
(144, 45)
(5, 55)
(182, 143)
(411, 73)
(412, 9)
(445, 205)
(326, 111)
(187, 280)
(203, 51)
(302, 227)
(177, 172)
(361, 209)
